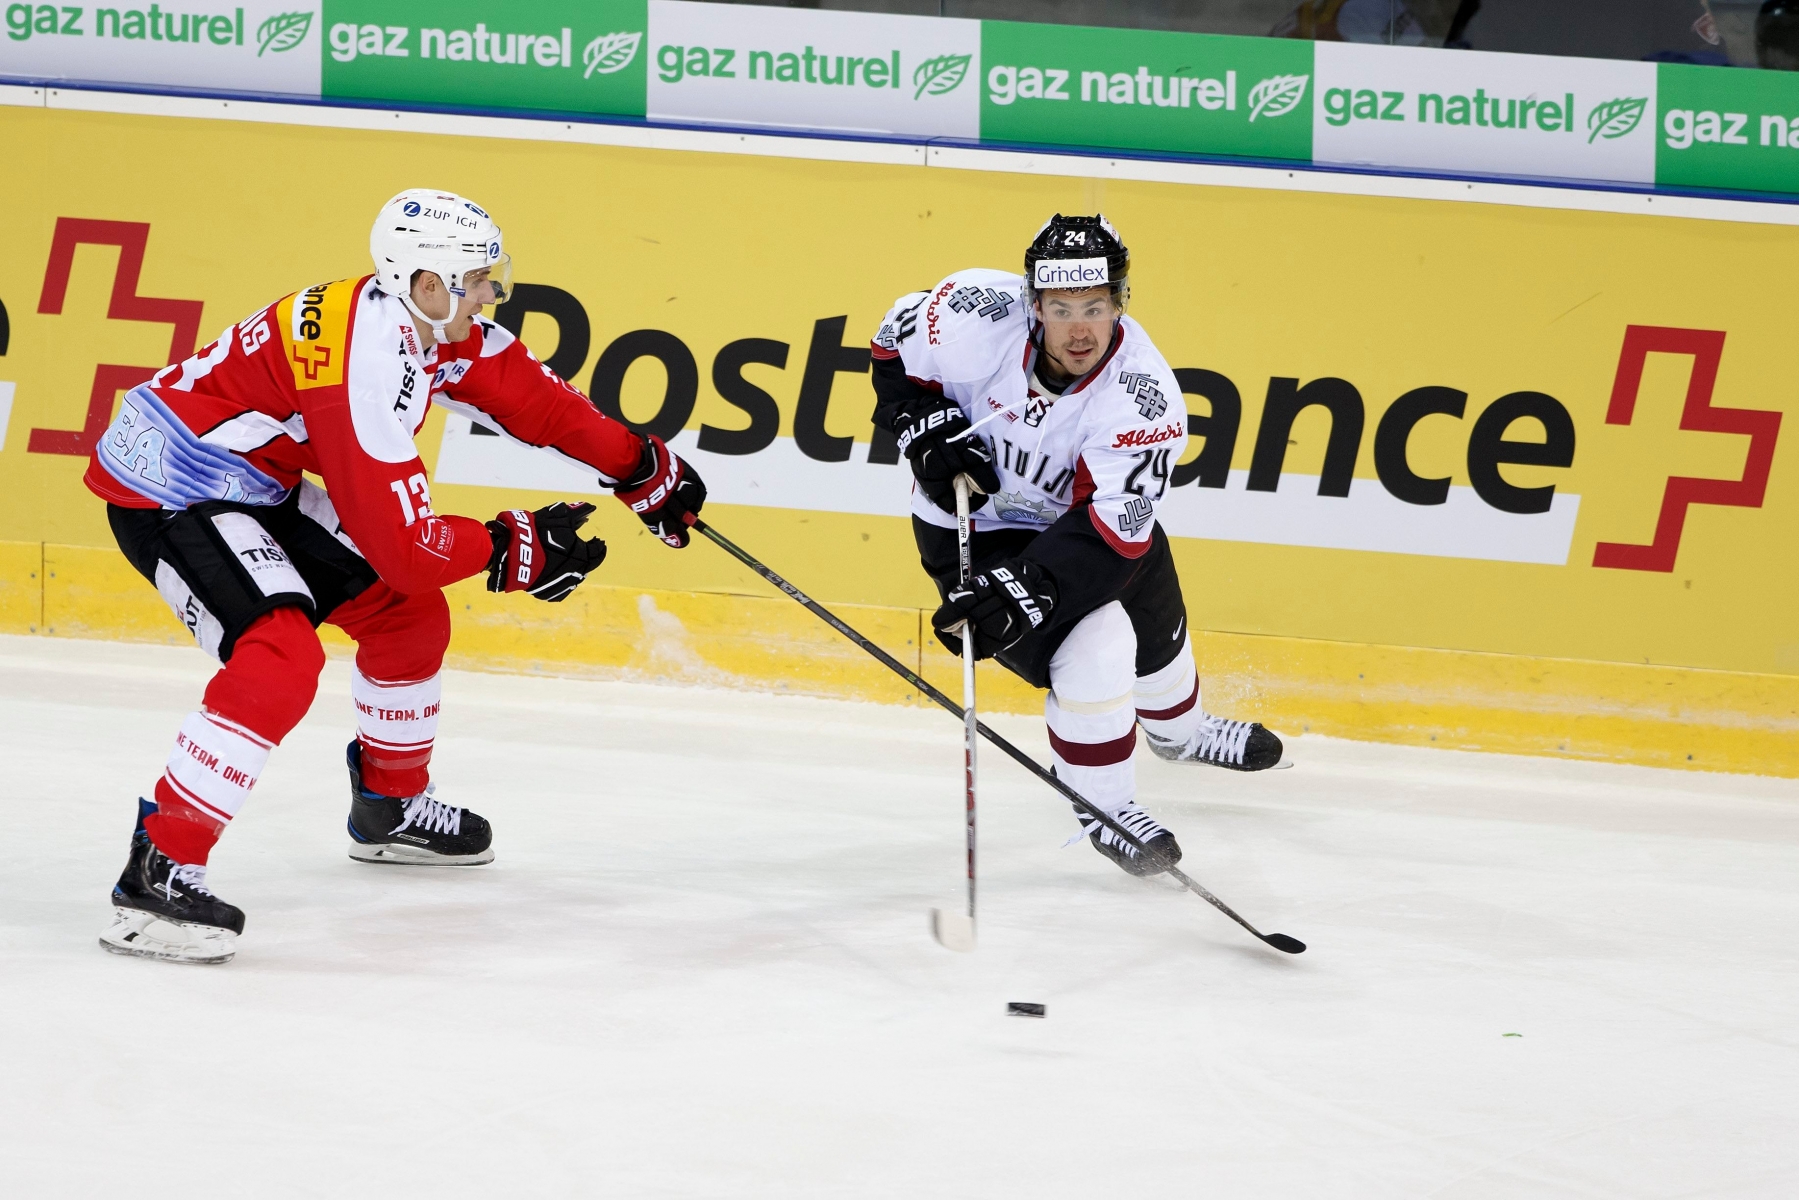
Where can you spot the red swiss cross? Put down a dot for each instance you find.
(313, 365)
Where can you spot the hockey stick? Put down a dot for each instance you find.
(953, 931)
(1279, 941)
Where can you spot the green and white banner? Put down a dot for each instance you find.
(1490, 114)
(1004, 82)
(787, 68)
(254, 46)
(580, 56)
(1720, 128)
(1175, 92)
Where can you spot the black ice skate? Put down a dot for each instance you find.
(413, 830)
(1222, 742)
(1141, 825)
(161, 908)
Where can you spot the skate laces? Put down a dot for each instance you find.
(1218, 739)
(1138, 823)
(424, 811)
(191, 876)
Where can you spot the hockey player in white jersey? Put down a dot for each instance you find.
(1061, 410)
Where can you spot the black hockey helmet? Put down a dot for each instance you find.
(1078, 252)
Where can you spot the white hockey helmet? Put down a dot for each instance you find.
(422, 229)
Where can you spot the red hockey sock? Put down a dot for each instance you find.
(251, 704)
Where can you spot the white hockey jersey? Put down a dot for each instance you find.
(1110, 440)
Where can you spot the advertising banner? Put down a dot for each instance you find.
(1505, 429)
(800, 69)
(1462, 110)
(1720, 128)
(256, 46)
(1148, 90)
(1272, 99)
(582, 56)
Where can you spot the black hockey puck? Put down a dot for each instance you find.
(1024, 1008)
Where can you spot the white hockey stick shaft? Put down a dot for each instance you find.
(970, 722)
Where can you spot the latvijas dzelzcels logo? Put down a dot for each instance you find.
(1277, 95)
(283, 31)
(936, 76)
(1615, 118)
(610, 53)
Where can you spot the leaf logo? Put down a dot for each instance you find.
(1615, 118)
(283, 31)
(1277, 95)
(945, 73)
(610, 52)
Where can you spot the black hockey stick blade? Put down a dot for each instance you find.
(1280, 941)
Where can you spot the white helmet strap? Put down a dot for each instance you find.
(437, 323)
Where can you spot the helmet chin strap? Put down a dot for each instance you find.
(437, 325)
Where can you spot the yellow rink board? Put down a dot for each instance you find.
(1352, 612)
(1654, 716)
(21, 587)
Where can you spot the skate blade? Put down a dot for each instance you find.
(1282, 765)
(144, 935)
(400, 855)
(953, 930)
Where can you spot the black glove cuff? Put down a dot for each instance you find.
(647, 467)
(502, 537)
(1037, 577)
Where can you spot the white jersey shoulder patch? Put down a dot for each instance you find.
(389, 390)
(954, 330)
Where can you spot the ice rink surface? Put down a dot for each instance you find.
(700, 967)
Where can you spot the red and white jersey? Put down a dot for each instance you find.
(1110, 440)
(332, 381)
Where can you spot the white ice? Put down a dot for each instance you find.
(700, 967)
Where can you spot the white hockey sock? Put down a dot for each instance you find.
(396, 720)
(1092, 724)
(1093, 750)
(214, 765)
(1168, 700)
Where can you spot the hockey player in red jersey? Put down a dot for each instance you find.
(202, 475)
(1061, 410)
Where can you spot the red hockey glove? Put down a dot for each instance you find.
(540, 552)
(662, 491)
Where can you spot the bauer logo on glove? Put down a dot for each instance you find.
(541, 552)
(1001, 605)
(937, 440)
(664, 491)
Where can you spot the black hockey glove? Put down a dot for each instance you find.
(1003, 603)
(925, 428)
(662, 491)
(541, 552)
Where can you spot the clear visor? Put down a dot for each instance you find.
(491, 284)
